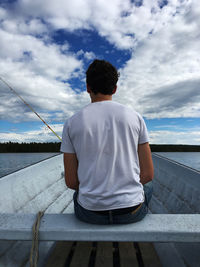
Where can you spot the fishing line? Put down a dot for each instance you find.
(30, 107)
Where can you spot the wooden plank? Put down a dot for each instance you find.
(149, 255)
(104, 256)
(59, 254)
(81, 255)
(127, 254)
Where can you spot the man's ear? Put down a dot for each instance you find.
(114, 91)
(88, 89)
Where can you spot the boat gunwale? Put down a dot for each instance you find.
(175, 162)
(27, 166)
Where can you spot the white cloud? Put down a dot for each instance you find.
(41, 135)
(161, 79)
(175, 137)
(36, 70)
(117, 20)
(3, 13)
(61, 15)
(80, 53)
(89, 55)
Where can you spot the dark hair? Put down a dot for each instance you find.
(102, 77)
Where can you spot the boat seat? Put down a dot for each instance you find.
(65, 227)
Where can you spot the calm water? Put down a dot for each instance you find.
(191, 159)
(10, 162)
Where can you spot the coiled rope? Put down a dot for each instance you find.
(34, 255)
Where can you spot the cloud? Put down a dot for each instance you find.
(174, 137)
(36, 69)
(161, 79)
(43, 59)
(122, 23)
(179, 99)
(43, 134)
(87, 55)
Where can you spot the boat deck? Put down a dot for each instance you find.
(105, 254)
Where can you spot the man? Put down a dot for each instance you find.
(107, 158)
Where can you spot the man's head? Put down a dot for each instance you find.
(102, 77)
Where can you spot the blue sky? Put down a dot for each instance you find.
(46, 47)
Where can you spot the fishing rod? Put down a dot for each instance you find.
(30, 107)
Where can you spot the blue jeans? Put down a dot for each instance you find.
(110, 218)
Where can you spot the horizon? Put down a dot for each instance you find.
(57, 142)
(46, 47)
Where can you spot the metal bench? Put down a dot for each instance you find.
(65, 227)
(102, 245)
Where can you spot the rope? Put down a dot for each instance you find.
(34, 249)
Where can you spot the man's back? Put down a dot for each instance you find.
(105, 137)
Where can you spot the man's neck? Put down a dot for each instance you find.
(100, 97)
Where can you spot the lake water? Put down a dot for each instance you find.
(10, 162)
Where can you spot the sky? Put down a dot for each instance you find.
(46, 47)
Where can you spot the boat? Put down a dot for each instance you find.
(41, 187)
(176, 191)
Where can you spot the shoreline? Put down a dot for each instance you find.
(54, 147)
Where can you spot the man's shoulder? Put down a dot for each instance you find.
(127, 108)
(105, 106)
(78, 113)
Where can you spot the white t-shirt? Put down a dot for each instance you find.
(105, 137)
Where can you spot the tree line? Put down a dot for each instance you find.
(175, 148)
(15, 147)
